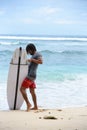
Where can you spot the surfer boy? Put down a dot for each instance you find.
(29, 81)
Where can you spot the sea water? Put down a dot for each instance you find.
(61, 79)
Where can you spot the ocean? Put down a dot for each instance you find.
(61, 79)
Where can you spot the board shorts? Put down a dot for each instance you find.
(27, 83)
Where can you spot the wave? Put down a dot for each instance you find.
(74, 52)
(63, 52)
(47, 52)
(84, 39)
(11, 43)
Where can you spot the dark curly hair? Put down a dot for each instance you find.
(30, 47)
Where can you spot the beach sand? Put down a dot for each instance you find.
(44, 119)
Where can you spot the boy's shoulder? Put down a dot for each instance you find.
(37, 55)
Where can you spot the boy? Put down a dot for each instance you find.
(31, 76)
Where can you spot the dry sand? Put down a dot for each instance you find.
(61, 119)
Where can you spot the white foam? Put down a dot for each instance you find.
(43, 38)
(62, 94)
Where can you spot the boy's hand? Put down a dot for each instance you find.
(29, 60)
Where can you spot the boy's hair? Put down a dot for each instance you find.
(30, 47)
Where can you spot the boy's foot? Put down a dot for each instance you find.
(34, 108)
(28, 107)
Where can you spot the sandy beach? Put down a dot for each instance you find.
(44, 119)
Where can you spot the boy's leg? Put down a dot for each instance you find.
(32, 91)
(24, 94)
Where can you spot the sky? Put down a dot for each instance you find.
(43, 17)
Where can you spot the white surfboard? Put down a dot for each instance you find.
(17, 72)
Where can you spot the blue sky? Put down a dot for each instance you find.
(43, 17)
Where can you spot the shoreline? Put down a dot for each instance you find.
(44, 119)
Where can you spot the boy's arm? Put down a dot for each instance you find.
(37, 61)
